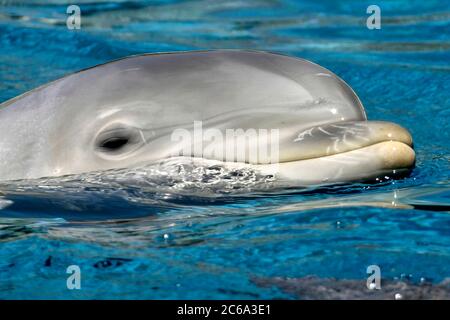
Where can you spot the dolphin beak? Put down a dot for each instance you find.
(346, 151)
(340, 137)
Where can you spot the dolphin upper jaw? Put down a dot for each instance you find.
(339, 137)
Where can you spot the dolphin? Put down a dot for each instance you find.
(127, 113)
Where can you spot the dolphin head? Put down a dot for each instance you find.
(151, 107)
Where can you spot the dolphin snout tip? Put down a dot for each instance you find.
(396, 155)
(397, 150)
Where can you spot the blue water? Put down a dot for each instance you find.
(139, 244)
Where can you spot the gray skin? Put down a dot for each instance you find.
(123, 114)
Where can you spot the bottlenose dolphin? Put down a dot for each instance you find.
(124, 113)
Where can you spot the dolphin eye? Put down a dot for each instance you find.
(118, 140)
(114, 143)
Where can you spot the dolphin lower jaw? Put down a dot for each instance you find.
(383, 159)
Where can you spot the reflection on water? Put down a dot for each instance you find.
(196, 236)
